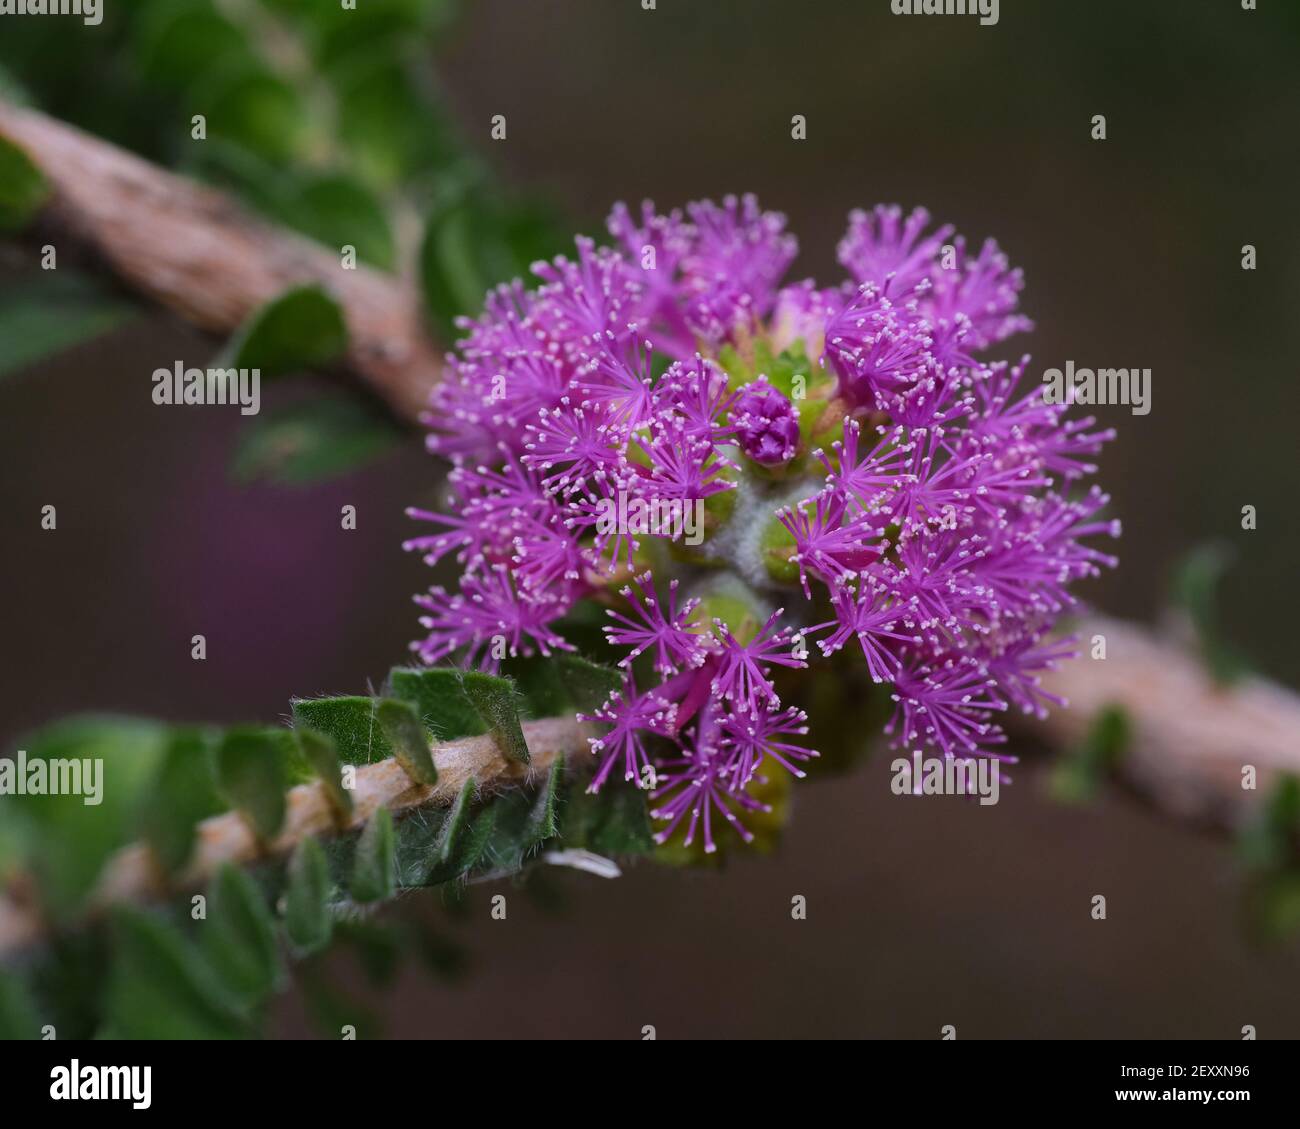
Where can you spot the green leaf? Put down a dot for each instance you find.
(307, 918)
(239, 937)
(497, 703)
(176, 48)
(18, 1018)
(319, 752)
(410, 743)
(438, 695)
(301, 329)
(23, 187)
(1195, 584)
(253, 773)
(49, 311)
(69, 836)
(614, 822)
(589, 684)
(350, 722)
(373, 869)
(254, 108)
(1271, 838)
(462, 255)
(540, 685)
(161, 988)
(313, 440)
(523, 820)
(338, 211)
(1082, 771)
(184, 793)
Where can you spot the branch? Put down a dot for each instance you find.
(1190, 736)
(133, 874)
(196, 252)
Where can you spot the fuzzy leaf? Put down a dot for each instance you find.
(239, 937)
(161, 988)
(614, 822)
(48, 311)
(350, 722)
(410, 743)
(309, 441)
(253, 773)
(68, 839)
(307, 918)
(373, 865)
(438, 695)
(301, 329)
(184, 793)
(589, 684)
(318, 751)
(18, 1018)
(497, 703)
(541, 688)
(23, 187)
(523, 820)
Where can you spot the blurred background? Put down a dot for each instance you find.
(919, 914)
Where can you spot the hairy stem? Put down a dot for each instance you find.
(133, 874)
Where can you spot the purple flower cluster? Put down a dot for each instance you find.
(907, 493)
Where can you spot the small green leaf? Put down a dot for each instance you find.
(541, 687)
(307, 918)
(257, 109)
(161, 988)
(463, 254)
(253, 773)
(373, 865)
(350, 722)
(184, 794)
(523, 820)
(438, 695)
(614, 822)
(239, 937)
(18, 1018)
(1271, 838)
(497, 703)
(312, 440)
(338, 211)
(104, 769)
(589, 684)
(410, 743)
(1082, 771)
(23, 187)
(301, 329)
(319, 752)
(50, 311)
(1195, 586)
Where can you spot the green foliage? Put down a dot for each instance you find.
(23, 187)
(307, 920)
(76, 837)
(497, 702)
(183, 794)
(46, 312)
(161, 987)
(240, 937)
(301, 329)
(589, 684)
(18, 1018)
(438, 695)
(1195, 585)
(1081, 772)
(373, 877)
(410, 743)
(349, 722)
(168, 974)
